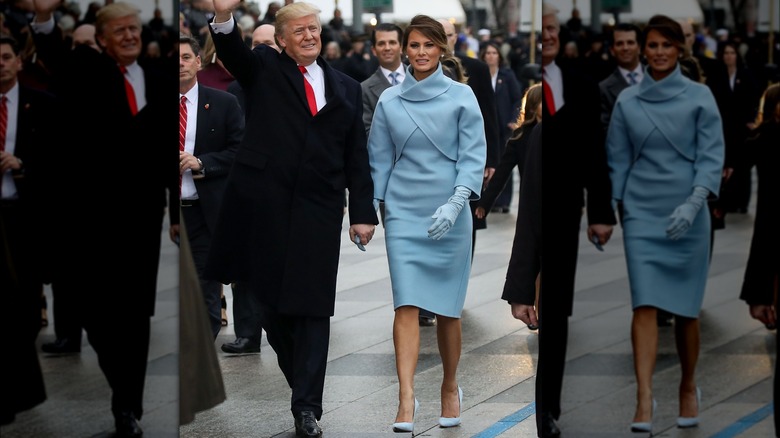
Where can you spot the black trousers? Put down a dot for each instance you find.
(21, 385)
(67, 323)
(121, 342)
(247, 313)
(301, 346)
(553, 339)
(200, 241)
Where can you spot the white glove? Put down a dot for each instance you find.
(445, 216)
(682, 217)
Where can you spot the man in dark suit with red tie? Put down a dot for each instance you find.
(106, 248)
(213, 126)
(28, 128)
(279, 228)
(575, 164)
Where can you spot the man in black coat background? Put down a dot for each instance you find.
(576, 178)
(121, 122)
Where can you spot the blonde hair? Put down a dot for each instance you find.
(112, 12)
(209, 52)
(527, 116)
(293, 11)
(768, 105)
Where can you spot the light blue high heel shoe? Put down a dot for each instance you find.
(452, 422)
(685, 422)
(645, 426)
(407, 426)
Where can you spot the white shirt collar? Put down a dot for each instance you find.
(400, 70)
(638, 70)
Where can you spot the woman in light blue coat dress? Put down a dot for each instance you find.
(665, 151)
(427, 153)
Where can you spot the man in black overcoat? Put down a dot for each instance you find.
(279, 227)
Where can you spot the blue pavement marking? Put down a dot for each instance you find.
(507, 422)
(745, 422)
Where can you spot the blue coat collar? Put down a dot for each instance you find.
(667, 88)
(430, 87)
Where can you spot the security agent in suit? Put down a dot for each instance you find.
(29, 132)
(215, 126)
(247, 322)
(574, 135)
(386, 46)
(625, 49)
(279, 228)
(137, 165)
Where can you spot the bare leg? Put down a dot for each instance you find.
(406, 340)
(448, 334)
(686, 333)
(644, 339)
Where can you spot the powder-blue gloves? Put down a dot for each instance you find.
(445, 216)
(682, 217)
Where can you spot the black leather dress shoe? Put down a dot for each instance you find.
(127, 425)
(306, 425)
(241, 346)
(61, 346)
(549, 427)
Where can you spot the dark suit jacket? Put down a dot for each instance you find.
(525, 261)
(738, 107)
(763, 266)
(220, 130)
(133, 158)
(609, 89)
(36, 130)
(509, 98)
(372, 89)
(575, 164)
(235, 89)
(281, 216)
(480, 82)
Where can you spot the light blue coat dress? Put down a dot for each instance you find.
(426, 138)
(664, 138)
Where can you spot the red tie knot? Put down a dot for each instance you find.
(302, 69)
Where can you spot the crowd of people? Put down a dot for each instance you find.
(279, 139)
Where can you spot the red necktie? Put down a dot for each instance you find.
(182, 128)
(3, 127)
(309, 92)
(3, 120)
(549, 101)
(129, 91)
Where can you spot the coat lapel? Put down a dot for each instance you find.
(289, 69)
(334, 87)
(203, 113)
